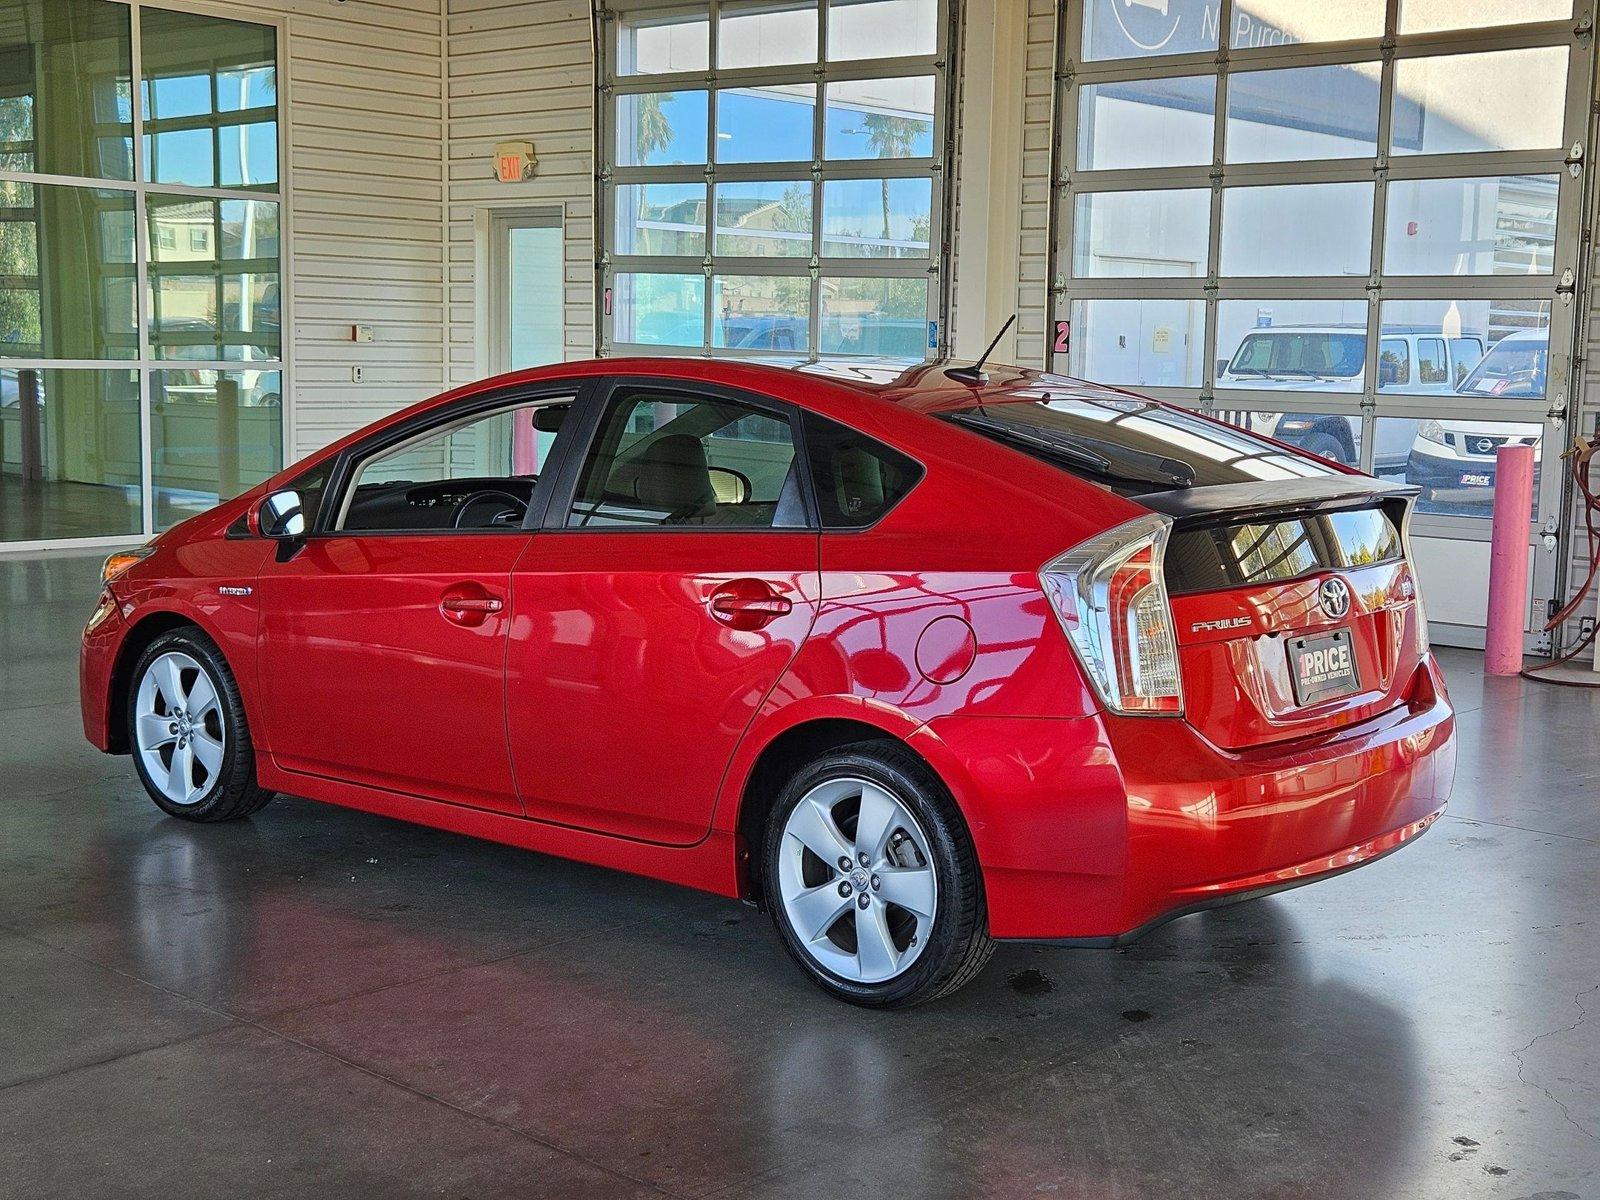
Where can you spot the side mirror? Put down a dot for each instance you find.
(281, 516)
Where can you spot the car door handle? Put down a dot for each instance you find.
(474, 607)
(472, 604)
(748, 604)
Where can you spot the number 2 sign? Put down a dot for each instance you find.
(1063, 343)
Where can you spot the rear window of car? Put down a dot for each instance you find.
(1250, 553)
(1131, 446)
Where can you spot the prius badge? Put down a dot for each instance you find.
(1334, 595)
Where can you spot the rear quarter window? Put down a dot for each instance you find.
(856, 479)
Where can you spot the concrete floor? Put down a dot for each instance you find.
(317, 1002)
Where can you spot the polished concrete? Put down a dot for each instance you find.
(318, 1002)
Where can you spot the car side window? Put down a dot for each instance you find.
(472, 474)
(1394, 362)
(1431, 364)
(669, 459)
(856, 479)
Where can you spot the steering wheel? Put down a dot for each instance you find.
(509, 509)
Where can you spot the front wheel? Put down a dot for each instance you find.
(1325, 445)
(872, 880)
(186, 726)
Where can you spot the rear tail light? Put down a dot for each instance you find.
(1111, 599)
(1411, 578)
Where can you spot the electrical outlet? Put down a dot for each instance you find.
(1585, 629)
(357, 375)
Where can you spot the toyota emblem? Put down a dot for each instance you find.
(1335, 597)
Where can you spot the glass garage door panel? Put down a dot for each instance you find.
(1372, 258)
(1297, 229)
(1146, 123)
(1303, 113)
(1495, 225)
(1472, 103)
(661, 218)
(1142, 233)
(1437, 16)
(1292, 345)
(1140, 343)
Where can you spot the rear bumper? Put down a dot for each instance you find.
(1096, 830)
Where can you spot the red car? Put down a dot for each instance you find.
(916, 659)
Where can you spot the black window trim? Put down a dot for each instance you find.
(586, 429)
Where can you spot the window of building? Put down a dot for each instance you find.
(141, 361)
(774, 178)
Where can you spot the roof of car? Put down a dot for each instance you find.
(931, 386)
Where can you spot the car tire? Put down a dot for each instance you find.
(848, 929)
(1325, 445)
(187, 731)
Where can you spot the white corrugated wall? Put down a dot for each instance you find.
(1033, 249)
(519, 70)
(365, 149)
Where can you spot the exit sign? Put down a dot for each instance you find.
(514, 161)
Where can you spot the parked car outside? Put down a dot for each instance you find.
(1414, 360)
(1453, 461)
(957, 657)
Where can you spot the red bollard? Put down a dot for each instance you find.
(1508, 560)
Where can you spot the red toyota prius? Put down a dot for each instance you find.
(916, 659)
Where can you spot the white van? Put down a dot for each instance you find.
(1415, 360)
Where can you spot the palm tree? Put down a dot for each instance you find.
(891, 137)
(652, 126)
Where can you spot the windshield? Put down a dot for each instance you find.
(1309, 354)
(1133, 447)
(1511, 369)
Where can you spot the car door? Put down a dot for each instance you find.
(384, 635)
(674, 579)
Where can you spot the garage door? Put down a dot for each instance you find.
(1351, 225)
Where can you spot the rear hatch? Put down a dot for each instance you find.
(1293, 609)
(1292, 617)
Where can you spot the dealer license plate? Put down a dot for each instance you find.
(1323, 667)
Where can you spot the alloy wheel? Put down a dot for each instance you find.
(179, 727)
(856, 880)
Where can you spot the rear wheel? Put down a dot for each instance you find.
(872, 880)
(186, 726)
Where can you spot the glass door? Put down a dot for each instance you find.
(526, 294)
(527, 285)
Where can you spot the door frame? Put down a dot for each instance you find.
(494, 226)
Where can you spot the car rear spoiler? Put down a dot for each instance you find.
(1277, 497)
